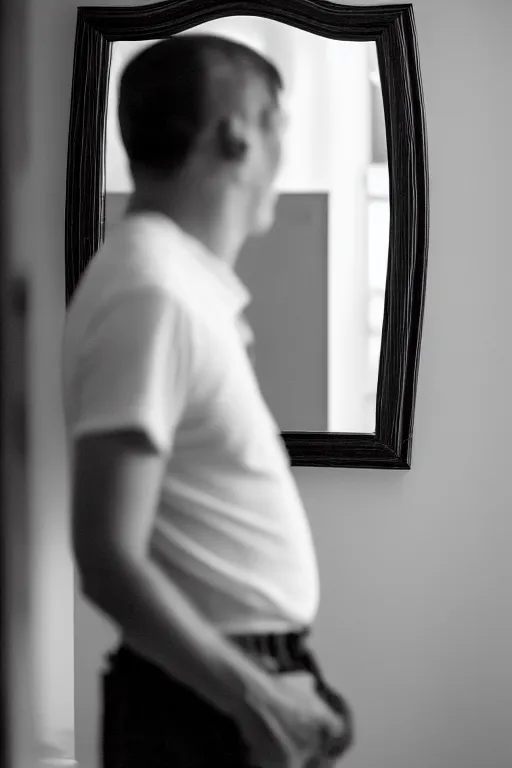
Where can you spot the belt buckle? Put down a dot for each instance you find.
(269, 663)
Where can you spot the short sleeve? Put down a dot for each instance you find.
(134, 368)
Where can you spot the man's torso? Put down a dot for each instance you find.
(230, 528)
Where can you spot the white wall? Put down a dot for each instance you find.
(415, 623)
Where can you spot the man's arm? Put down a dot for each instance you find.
(134, 377)
(117, 481)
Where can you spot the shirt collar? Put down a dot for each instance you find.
(231, 291)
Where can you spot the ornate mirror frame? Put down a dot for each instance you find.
(393, 29)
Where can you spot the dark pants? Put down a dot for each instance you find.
(152, 721)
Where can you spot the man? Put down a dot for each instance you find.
(188, 530)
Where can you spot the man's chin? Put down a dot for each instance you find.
(262, 227)
(265, 220)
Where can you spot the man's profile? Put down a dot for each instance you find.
(188, 529)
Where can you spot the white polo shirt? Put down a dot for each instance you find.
(154, 341)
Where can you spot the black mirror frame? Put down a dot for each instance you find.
(392, 27)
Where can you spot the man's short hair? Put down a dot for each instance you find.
(165, 95)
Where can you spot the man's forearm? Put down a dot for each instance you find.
(161, 623)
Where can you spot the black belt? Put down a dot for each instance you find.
(276, 652)
(282, 653)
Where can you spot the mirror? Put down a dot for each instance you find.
(318, 277)
(337, 284)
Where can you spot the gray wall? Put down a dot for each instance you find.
(286, 272)
(415, 622)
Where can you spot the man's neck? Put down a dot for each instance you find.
(212, 221)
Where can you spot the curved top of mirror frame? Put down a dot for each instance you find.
(393, 29)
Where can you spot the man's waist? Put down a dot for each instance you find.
(248, 602)
(276, 652)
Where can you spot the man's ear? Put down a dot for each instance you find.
(231, 138)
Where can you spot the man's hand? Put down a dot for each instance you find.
(293, 728)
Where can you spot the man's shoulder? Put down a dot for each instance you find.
(132, 261)
(139, 271)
